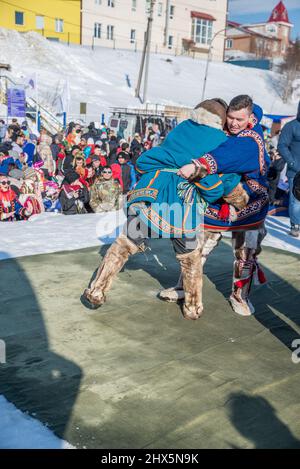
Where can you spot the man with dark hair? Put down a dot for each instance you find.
(243, 153)
(289, 149)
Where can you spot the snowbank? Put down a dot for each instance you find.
(20, 431)
(52, 232)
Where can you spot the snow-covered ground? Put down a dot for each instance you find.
(99, 77)
(20, 431)
(52, 232)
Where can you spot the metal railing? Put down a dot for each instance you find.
(47, 118)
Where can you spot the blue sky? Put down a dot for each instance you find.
(247, 11)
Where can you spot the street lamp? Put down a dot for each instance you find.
(208, 60)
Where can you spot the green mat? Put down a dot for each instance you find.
(135, 374)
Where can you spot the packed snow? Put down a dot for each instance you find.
(99, 77)
(54, 232)
(20, 431)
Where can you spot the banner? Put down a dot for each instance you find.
(16, 102)
(30, 84)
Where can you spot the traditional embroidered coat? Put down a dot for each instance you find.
(166, 202)
(244, 154)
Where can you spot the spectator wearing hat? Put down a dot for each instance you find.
(10, 207)
(127, 171)
(101, 155)
(68, 161)
(30, 192)
(74, 195)
(96, 165)
(18, 140)
(79, 165)
(106, 192)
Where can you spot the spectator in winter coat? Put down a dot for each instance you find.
(18, 140)
(128, 172)
(74, 195)
(6, 163)
(30, 192)
(92, 133)
(106, 192)
(276, 167)
(68, 161)
(136, 147)
(100, 154)
(113, 146)
(289, 149)
(80, 166)
(56, 146)
(45, 154)
(10, 207)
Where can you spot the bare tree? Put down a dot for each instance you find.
(291, 68)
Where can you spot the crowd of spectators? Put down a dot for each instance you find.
(91, 169)
(80, 170)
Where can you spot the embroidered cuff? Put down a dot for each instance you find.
(209, 162)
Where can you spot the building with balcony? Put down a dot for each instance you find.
(179, 26)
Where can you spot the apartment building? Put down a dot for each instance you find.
(179, 26)
(57, 20)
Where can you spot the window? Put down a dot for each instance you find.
(59, 25)
(19, 17)
(39, 22)
(170, 42)
(98, 2)
(110, 32)
(97, 30)
(132, 36)
(110, 3)
(159, 9)
(133, 5)
(229, 44)
(202, 31)
(172, 11)
(148, 5)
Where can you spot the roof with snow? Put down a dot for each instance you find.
(279, 14)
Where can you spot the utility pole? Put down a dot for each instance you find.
(138, 86)
(145, 56)
(166, 32)
(148, 50)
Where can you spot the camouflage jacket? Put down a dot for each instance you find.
(105, 195)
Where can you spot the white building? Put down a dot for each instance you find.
(179, 26)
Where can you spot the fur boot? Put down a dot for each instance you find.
(191, 271)
(115, 258)
(242, 281)
(176, 293)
